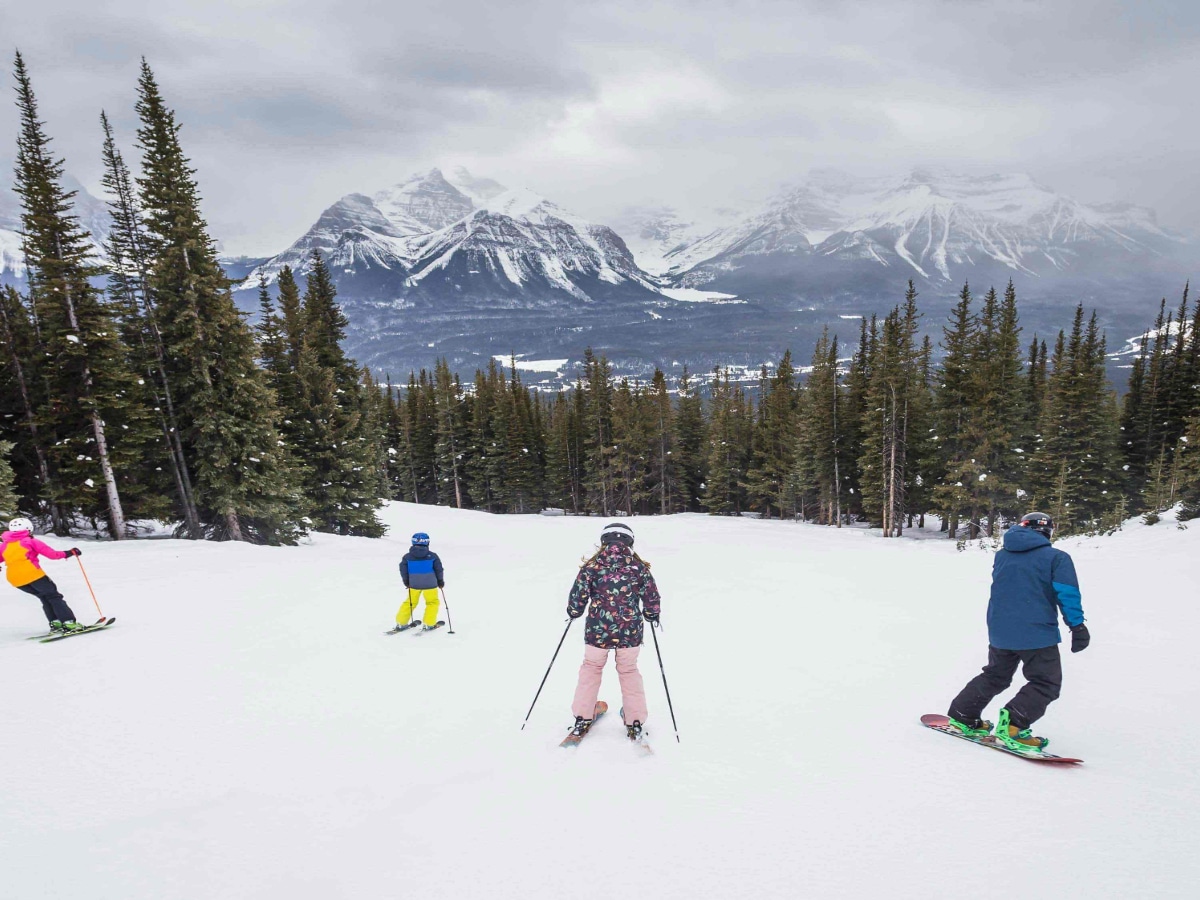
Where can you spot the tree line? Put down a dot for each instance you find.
(155, 398)
(993, 429)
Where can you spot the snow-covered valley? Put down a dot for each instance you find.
(246, 731)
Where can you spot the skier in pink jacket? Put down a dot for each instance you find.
(23, 568)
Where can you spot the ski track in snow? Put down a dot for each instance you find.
(246, 731)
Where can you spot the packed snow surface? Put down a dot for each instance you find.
(245, 730)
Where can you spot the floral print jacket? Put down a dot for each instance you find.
(615, 587)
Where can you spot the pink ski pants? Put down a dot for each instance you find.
(633, 693)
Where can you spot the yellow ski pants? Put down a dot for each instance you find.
(409, 606)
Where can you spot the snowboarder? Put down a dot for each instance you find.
(421, 570)
(24, 572)
(617, 591)
(1032, 583)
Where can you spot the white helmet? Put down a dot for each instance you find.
(20, 524)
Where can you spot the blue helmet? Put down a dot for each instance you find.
(420, 539)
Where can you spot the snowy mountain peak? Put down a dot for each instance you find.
(928, 220)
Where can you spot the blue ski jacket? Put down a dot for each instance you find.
(1031, 583)
(421, 569)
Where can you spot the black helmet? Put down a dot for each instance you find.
(616, 532)
(1039, 522)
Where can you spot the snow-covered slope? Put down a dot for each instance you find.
(246, 731)
(933, 224)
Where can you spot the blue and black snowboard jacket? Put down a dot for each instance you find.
(1031, 583)
(421, 569)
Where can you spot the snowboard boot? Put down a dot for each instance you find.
(581, 726)
(1017, 738)
(972, 727)
(56, 627)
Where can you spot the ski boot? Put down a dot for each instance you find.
(71, 625)
(1015, 738)
(634, 731)
(56, 627)
(581, 727)
(975, 728)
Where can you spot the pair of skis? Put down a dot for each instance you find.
(574, 740)
(98, 625)
(416, 628)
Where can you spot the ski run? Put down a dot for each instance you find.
(245, 733)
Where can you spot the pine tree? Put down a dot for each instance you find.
(24, 383)
(90, 393)
(128, 266)
(770, 482)
(9, 502)
(663, 466)
(957, 468)
(1073, 469)
(452, 431)
(227, 414)
(820, 460)
(598, 433)
(691, 438)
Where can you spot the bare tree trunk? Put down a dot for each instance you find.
(116, 515)
(234, 525)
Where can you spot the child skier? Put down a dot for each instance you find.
(24, 572)
(1031, 583)
(616, 590)
(421, 570)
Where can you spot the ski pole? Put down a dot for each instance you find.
(447, 605)
(89, 586)
(547, 675)
(654, 634)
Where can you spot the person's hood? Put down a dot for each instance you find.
(9, 536)
(1020, 539)
(420, 551)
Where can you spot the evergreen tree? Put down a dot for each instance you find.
(598, 434)
(128, 267)
(9, 502)
(227, 414)
(770, 482)
(663, 466)
(23, 383)
(1074, 466)
(956, 467)
(89, 391)
(691, 439)
(452, 431)
(821, 459)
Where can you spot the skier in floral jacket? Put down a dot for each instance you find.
(616, 590)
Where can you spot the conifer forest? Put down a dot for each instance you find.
(133, 390)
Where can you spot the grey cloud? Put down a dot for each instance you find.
(288, 105)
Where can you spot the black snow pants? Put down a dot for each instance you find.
(1042, 669)
(53, 604)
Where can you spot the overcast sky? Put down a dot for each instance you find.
(287, 106)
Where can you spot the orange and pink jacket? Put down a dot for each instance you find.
(20, 554)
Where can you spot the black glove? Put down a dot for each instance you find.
(1080, 638)
(75, 551)
(650, 617)
(441, 584)
(575, 615)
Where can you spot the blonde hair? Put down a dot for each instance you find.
(584, 562)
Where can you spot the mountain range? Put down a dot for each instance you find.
(450, 264)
